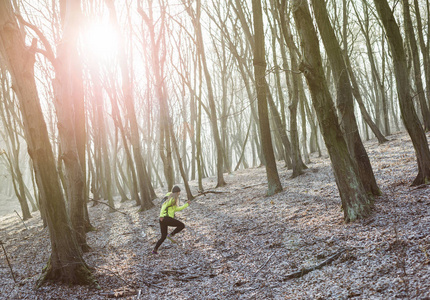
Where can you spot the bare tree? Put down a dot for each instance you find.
(410, 38)
(355, 202)
(345, 100)
(295, 87)
(378, 77)
(145, 186)
(158, 56)
(195, 14)
(409, 115)
(274, 184)
(66, 263)
(69, 97)
(424, 47)
(11, 135)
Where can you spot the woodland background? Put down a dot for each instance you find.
(105, 99)
(241, 244)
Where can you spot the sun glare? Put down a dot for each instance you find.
(100, 41)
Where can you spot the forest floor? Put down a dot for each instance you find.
(241, 244)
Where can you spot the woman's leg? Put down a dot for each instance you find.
(163, 229)
(176, 223)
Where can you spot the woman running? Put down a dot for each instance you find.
(167, 217)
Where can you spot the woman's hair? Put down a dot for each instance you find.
(176, 189)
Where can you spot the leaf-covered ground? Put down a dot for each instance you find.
(240, 244)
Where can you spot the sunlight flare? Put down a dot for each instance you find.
(100, 40)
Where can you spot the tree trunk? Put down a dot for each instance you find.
(134, 190)
(423, 46)
(377, 81)
(195, 16)
(68, 90)
(274, 184)
(199, 146)
(145, 186)
(11, 136)
(355, 202)
(157, 49)
(345, 100)
(410, 37)
(409, 116)
(66, 263)
(101, 139)
(297, 162)
(180, 164)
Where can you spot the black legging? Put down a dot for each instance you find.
(168, 221)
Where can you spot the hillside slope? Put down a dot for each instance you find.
(240, 244)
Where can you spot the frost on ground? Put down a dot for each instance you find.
(240, 244)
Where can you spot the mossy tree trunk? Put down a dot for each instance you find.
(355, 201)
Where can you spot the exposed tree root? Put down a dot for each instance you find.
(80, 275)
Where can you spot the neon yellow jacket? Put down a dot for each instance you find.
(171, 209)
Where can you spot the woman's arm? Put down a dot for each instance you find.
(179, 208)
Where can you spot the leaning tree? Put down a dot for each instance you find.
(65, 263)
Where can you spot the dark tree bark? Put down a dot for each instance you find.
(66, 263)
(345, 100)
(355, 201)
(274, 184)
(423, 46)
(297, 162)
(409, 115)
(410, 38)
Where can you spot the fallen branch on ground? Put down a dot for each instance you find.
(305, 271)
(97, 201)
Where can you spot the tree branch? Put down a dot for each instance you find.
(97, 201)
(48, 52)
